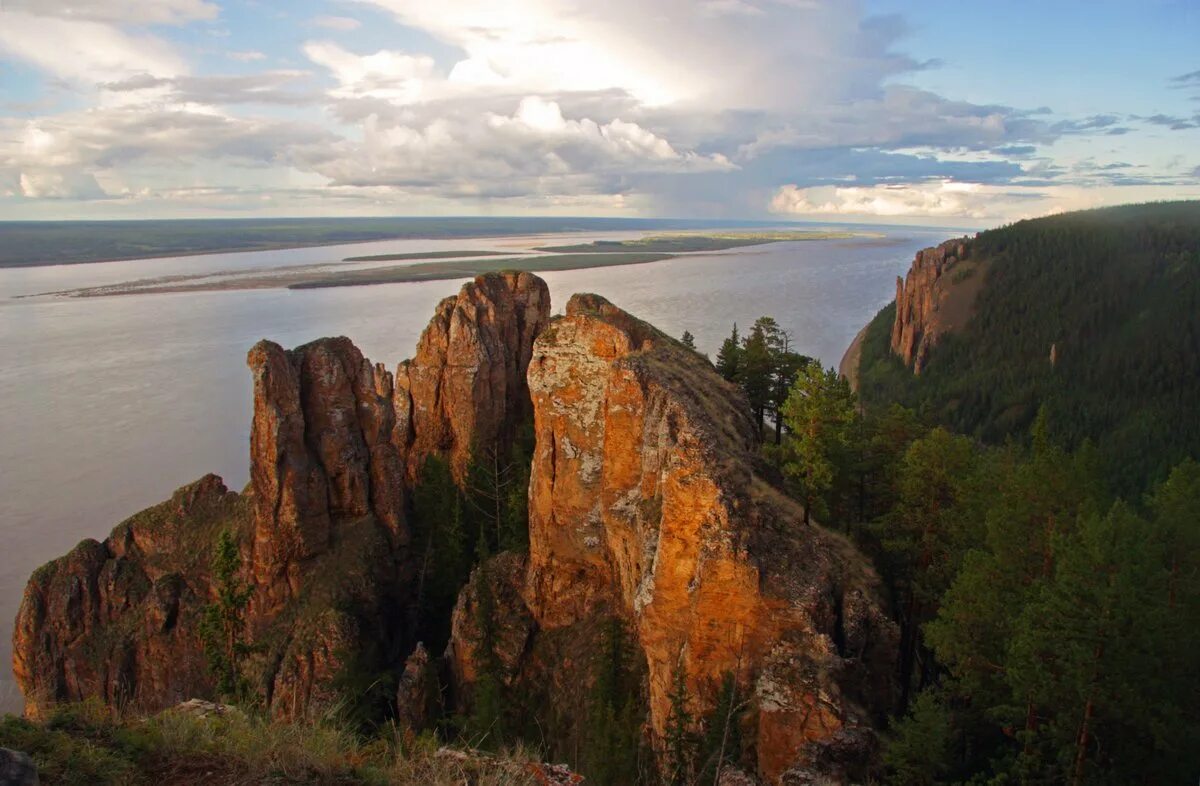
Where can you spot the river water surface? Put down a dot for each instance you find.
(108, 404)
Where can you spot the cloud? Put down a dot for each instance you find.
(246, 57)
(59, 185)
(393, 76)
(1172, 122)
(533, 150)
(265, 87)
(343, 23)
(943, 199)
(157, 12)
(85, 51)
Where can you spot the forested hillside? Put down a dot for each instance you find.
(1094, 315)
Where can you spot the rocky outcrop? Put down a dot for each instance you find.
(323, 449)
(465, 388)
(644, 503)
(929, 301)
(119, 620)
(321, 529)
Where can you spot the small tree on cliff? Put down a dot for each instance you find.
(611, 754)
(485, 727)
(497, 489)
(439, 533)
(223, 623)
(688, 340)
(680, 740)
(729, 356)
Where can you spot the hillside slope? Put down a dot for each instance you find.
(1094, 315)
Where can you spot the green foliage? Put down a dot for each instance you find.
(497, 492)
(615, 713)
(439, 532)
(222, 626)
(729, 356)
(1061, 638)
(1117, 293)
(920, 750)
(820, 416)
(688, 340)
(486, 726)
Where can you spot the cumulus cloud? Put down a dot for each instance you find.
(533, 150)
(388, 75)
(944, 199)
(681, 106)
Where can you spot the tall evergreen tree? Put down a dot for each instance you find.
(729, 357)
(819, 413)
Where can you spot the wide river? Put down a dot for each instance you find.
(108, 404)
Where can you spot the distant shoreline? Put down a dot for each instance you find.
(27, 244)
(440, 268)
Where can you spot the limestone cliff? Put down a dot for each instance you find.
(321, 528)
(936, 296)
(644, 503)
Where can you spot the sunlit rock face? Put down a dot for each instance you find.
(644, 503)
(924, 301)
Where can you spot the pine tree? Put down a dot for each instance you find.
(688, 340)
(820, 415)
(756, 369)
(729, 357)
(924, 537)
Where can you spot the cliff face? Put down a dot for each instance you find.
(321, 528)
(119, 619)
(644, 504)
(935, 297)
(465, 388)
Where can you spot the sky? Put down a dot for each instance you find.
(935, 112)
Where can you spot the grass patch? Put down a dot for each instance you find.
(83, 744)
